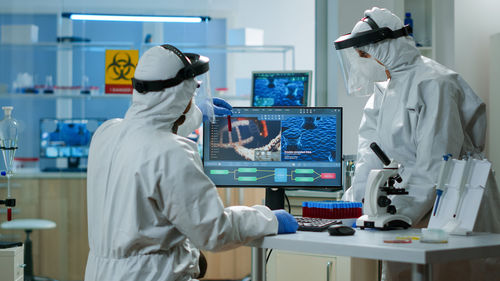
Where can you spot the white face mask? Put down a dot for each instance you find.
(373, 70)
(364, 75)
(193, 121)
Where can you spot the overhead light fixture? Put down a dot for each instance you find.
(136, 18)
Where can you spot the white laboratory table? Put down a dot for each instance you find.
(369, 244)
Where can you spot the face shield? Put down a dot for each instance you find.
(203, 96)
(361, 71)
(195, 67)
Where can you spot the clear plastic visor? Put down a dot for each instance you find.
(360, 73)
(203, 96)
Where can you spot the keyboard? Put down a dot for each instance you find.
(315, 224)
(65, 170)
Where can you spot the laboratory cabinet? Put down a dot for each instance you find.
(290, 266)
(12, 264)
(61, 252)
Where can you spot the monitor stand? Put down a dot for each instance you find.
(73, 162)
(275, 198)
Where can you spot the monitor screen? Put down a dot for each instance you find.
(288, 88)
(275, 147)
(64, 138)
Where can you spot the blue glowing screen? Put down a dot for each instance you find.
(286, 146)
(62, 138)
(281, 88)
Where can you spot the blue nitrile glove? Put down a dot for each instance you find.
(286, 222)
(221, 107)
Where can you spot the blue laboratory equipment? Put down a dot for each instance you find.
(409, 21)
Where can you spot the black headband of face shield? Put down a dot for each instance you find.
(375, 35)
(194, 65)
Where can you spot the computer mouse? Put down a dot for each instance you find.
(340, 230)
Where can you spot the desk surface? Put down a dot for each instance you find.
(370, 244)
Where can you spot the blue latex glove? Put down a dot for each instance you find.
(221, 107)
(286, 222)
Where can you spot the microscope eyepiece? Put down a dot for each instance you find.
(381, 155)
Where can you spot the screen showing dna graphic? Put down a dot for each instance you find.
(275, 147)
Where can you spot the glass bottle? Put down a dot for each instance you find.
(409, 21)
(8, 142)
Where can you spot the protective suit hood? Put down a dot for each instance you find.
(395, 54)
(164, 107)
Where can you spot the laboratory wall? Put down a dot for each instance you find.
(475, 23)
(284, 23)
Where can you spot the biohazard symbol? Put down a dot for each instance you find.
(121, 66)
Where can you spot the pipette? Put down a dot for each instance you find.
(463, 183)
(443, 175)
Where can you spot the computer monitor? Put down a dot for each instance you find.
(285, 88)
(67, 138)
(295, 147)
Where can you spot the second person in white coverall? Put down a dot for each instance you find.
(150, 205)
(422, 112)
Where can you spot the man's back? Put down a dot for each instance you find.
(124, 209)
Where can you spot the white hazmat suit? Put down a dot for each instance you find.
(150, 205)
(422, 113)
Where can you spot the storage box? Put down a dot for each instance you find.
(246, 37)
(19, 34)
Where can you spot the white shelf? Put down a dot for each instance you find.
(57, 96)
(284, 50)
(98, 46)
(233, 48)
(425, 48)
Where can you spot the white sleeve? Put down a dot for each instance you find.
(193, 206)
(366, 160)
(439, 131)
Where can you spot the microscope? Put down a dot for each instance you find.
(377, 209)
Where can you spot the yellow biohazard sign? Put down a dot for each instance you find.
(120, 68)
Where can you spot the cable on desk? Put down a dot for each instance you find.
(379, 270)
(268, 255)
(288, 203)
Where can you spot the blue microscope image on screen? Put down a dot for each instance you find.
(275, 146)
(66, 138)
(309, 139)
(250, 139)
(280, 89)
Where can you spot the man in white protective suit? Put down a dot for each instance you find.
(417, 112)
(150, 205)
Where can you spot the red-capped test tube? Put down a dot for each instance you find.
(229, 128)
